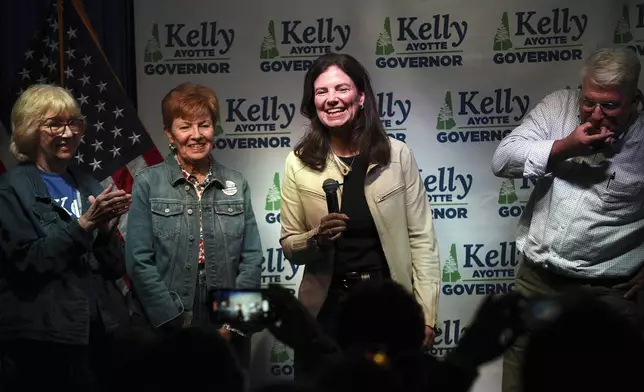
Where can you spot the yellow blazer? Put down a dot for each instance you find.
(401, 212)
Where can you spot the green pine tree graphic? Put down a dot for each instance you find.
(279, 354)
(508, 193)
(450, 269)
(269, 44)
(623, 29)
(502, 37)
(445, 115)
(152, 48)
(218, 130)
(273, 198)
(384, 45)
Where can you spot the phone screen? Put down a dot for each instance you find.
(240, 306)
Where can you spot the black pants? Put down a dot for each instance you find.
(328, 318)
(32, 365)
(533, 281)
(29, 365)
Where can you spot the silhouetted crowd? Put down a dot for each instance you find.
(576, 342)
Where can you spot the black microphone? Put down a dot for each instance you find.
(330, 187)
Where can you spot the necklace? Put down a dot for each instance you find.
(352, 160)
(344, 160)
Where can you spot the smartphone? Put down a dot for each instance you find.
(240, 306)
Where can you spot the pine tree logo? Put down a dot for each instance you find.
(445, 115)
(273, 197)
(384, 45)
(508, 193)
(269, 44)
(623, 29)
(279, 353)
(502, 37)
(450, 269)
(153, 48)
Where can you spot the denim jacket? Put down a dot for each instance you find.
(162, 245)
(45, 260)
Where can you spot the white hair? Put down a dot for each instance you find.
(613, 68)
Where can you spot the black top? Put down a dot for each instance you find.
(359, 248)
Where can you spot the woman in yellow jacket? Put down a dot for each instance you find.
(384, 228)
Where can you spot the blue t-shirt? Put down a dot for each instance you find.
(62, 189)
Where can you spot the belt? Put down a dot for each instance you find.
(350, 279)
(553, 277)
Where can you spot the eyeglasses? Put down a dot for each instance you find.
(57, 126)
(605, 106)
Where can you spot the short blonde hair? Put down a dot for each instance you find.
(30, 110)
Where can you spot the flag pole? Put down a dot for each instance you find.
(61, 36)
(78, 6)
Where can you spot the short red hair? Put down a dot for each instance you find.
(189, 101)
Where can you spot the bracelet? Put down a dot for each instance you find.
(313, 240)
(235, 330)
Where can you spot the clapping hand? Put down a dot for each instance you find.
(105, 210)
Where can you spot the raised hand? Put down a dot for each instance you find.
(105, 209)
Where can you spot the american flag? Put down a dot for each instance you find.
(115, 145)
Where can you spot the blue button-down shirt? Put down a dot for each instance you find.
(585, 218)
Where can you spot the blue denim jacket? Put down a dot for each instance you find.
(47, 259)
(162, 244)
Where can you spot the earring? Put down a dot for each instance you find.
(361, 106)
(172, 147)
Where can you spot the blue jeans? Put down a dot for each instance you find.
(199, 315)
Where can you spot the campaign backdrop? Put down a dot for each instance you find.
(452, 78)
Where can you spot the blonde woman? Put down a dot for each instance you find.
(59, 254)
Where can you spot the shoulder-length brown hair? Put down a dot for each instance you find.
(368, 132)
